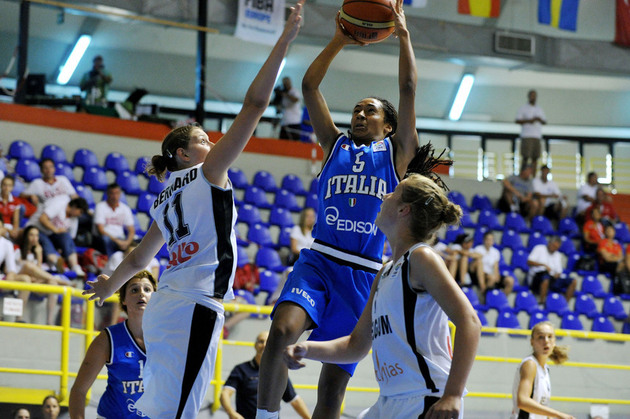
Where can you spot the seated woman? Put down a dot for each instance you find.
(593, 232)
(610, 253)
(465, 260)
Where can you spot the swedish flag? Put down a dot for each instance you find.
(561, 14)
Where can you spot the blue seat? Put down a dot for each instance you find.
(556, 303)
(525, 301)
(614, 307)
(515, 221)
(242, 258)
(591, 285)
(626, 328)
(284, 238)
(259, 234)
(265, 181)
(155, 186)
(543, 225)
(287, 200)
(54, 153)
(280, 217)
(269, 258)
(535, 239)
(311, 201)
(622, 234)
(28, 169)
(21, 150)
(293, 184)
(508, 320)
(238, 178)
(567, 247)
(129, 183)
(314, 186)
(512, 240)
(497, 300)
(249, 215)
(86, 193)
(246, 295)
(256, 197)
(571, 322)
(536, 318)
(64, 169)
(239, 240)
(482, 318)
(467, 221)
(85, 158)
(452, 232)
(459, 199)
(269, 281)
(18, 188)
(481, 202)
(140, 167)
(488, 218)
(95, 178)
(568, 227)
(474, 300)
(519, 260)
(602, 324)
(145, 202)
(584, 304)
(478, 235)
(116, 162)
(163, 253)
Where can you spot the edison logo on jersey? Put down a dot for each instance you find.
(356, 184)
(363, 227)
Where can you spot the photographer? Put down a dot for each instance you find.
(96, 83)
(289, 100)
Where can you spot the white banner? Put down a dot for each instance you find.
(12, 307)
(260, 21)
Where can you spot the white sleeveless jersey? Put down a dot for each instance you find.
(541, 391)
(197, 220)
(411, 341)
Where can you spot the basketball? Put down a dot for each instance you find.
(367, 21)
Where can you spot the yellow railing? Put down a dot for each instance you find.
(17, 395)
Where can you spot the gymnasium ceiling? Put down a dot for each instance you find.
(162, 59)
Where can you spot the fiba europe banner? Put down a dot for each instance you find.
(260, 21)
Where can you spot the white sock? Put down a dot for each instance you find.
(264, 414)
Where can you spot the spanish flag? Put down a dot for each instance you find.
(561, 14)
(482, 8)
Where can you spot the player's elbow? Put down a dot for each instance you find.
(407, 85)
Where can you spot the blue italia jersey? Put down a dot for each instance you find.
(124, 375)
(352, 184)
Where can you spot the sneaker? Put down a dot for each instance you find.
(78, 270)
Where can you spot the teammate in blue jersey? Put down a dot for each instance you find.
(330, 283)
(195, 216)
(121, 348)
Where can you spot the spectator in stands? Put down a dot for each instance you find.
(57, 220)
(21, 413)
(291, 105)
(95, 83)
(243, 381)
(606, 209)
(593, 231)
(610, 253)
(111, 218)
(586, 196)
(302, 234)
(29, 261)
(49, 185)
(9, 273)
(12, 208)
(489, 277)
(121, 348)
(551, 203)
(464, 262)
(518, 194)
(531, 118)
(50, 407)
(545, 271)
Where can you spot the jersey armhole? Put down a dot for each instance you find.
(110, 338)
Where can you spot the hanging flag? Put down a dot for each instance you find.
(482, 8)
(260, 21)
(415, 3)
(561, 14)
(622, 27)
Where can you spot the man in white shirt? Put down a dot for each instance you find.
(490, 257)
(531, 118)
(545, 271)
(57, 221)
(586, 195)
(111, 219)
(291, 121)
(49, 185)
(553, 204)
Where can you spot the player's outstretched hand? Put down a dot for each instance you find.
(293, 355)
(99, 289)
(399, 16)
(292, 26)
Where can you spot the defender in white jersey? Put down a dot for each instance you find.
(531, 390)
(194, 215)
(405, 322)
